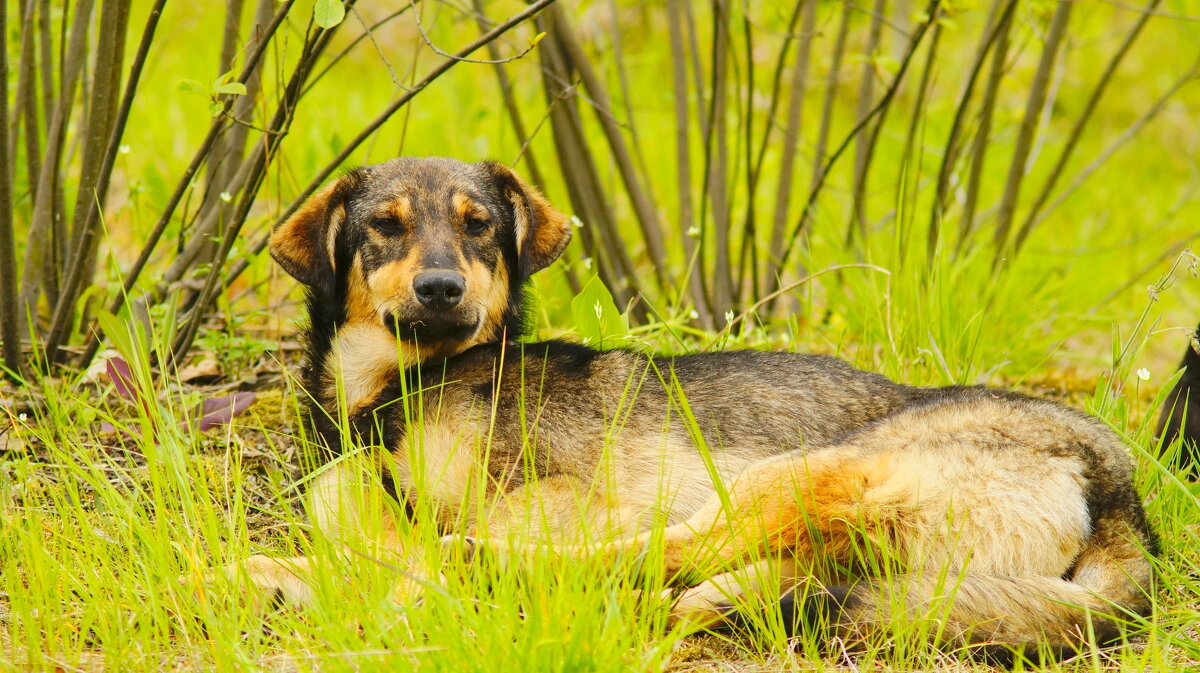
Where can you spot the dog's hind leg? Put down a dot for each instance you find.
(993, 616)
(715, 601)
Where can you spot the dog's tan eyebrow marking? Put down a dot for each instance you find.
(466, 206)
(401, 207)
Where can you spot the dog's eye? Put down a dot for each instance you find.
(388, 226)
(475, 225)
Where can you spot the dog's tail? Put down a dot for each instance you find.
(1181, 411)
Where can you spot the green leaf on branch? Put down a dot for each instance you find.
(328, 13)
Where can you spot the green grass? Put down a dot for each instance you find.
(96, 529)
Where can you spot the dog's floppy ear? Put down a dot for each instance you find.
(304, 244)
(542, 231)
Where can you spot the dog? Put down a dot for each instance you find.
(763, 474)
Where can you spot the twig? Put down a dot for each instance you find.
(788, 288)
(484, 61)
(315, 79)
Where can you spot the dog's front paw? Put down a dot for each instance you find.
(460, 544)
(265, 581)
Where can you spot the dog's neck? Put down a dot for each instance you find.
(361, 360)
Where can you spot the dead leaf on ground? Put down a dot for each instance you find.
(206, 369)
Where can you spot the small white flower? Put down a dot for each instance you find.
(694, 232)
(576, 222)
(587, 263)
(226, 197)
(123, 149)
(1143, 374)
(599, 310)
(22, 417)
(729, 316)
(694, 315)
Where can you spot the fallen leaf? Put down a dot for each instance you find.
(221, 410)
(205, 368)
(122, 378)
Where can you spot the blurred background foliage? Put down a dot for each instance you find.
(950, 191)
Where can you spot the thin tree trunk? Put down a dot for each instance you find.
(10, 331)
(717, 162)
(25, 97)
(86, 227)
(862, 148)
(979, 146)
(1033, 110)
(643, 206)
(184, 183)
(791, 138)
(44, 211)
(510, 101)
(815, 193)
(950, 154)
(579, 171)
(831, 90)
(1127, 135)
(683, 163)
(748, 255)
(911, 175)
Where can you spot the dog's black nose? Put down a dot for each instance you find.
(439, 290)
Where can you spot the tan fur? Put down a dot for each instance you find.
(387, 283)
(495, 298)
(365, 357)
(465, 207)
(544, 243)
(708, 603)
(361, 304)
(402, 209)
(293, 243)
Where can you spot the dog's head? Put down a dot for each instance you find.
(433, 250)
